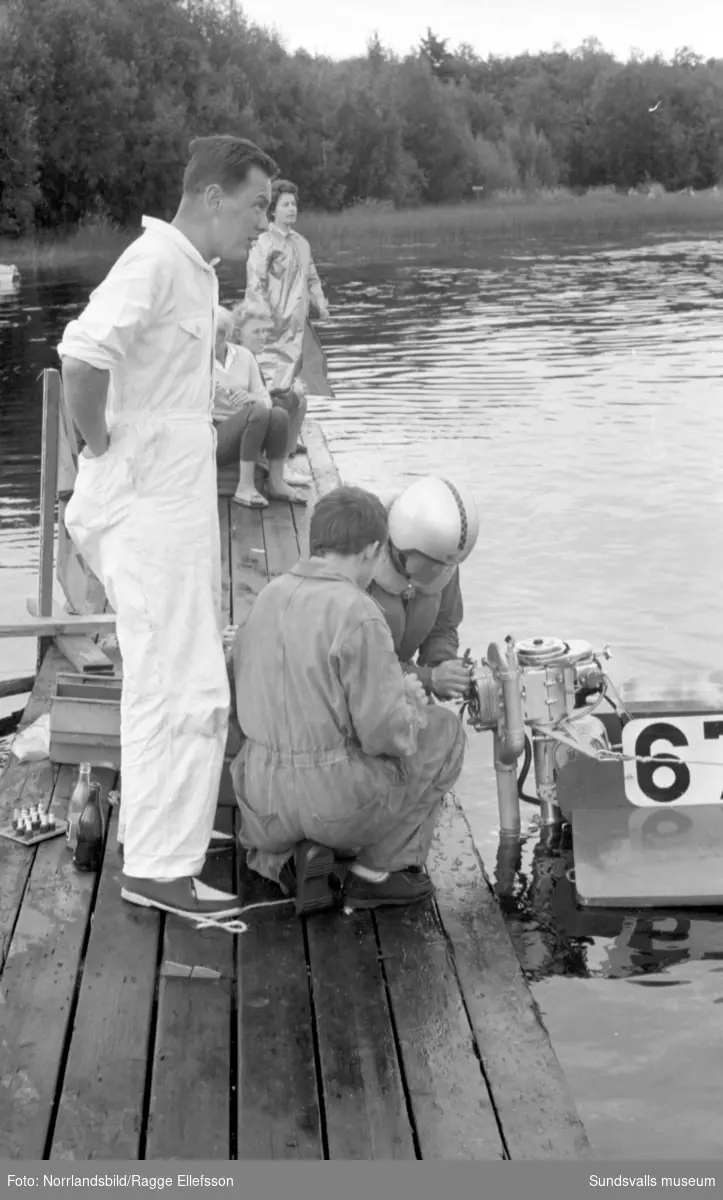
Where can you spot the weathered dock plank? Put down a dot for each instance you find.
(324, 469)
(365, 1115)
(38, 986)
(301, 516)
(531, 1094)
(282, 547)
(454, 1115)
(278, 1105)
(364, 1103)
(247, 567)
(24, 783)
(100, 1111)
(325, 477)
(193, 1072)
(248, 560)
(227, 478)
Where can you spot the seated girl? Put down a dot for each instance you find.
(247, 423)
(253, 325)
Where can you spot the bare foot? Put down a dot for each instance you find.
(287, 493)
(296, 478)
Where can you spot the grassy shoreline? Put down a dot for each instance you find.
(372, 232)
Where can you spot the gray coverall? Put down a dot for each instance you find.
(424, 619)
(336, 751)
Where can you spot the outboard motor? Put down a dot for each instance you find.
(551, 688)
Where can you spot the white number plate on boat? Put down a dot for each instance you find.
(696, 777)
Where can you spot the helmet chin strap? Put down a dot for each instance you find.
(399, 560)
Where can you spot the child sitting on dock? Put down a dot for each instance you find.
(247, 422)
(253, 325)
(342, 752)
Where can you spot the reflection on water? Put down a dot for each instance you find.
(631, 999)
(553, 936)
(581, 405)
(578, 394)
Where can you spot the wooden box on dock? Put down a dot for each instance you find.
(85, 720)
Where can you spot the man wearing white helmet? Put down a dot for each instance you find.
(433, 527)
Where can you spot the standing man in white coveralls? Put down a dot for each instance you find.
(138, 378)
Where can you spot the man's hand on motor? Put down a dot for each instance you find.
(450, 679)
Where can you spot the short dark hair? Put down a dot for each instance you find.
(346, 521)
(282, 187)
(224, 160)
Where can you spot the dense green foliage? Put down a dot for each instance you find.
(99, 99)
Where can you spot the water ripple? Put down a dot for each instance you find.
(576, 392)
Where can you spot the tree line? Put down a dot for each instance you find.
(99, 99)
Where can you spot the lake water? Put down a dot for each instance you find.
(577, 391)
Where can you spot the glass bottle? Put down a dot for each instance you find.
(89, 840)
(78, 801)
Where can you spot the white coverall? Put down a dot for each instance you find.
(145, 517)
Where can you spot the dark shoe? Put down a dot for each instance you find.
(186, 897)
(400, 888)
(313, 869)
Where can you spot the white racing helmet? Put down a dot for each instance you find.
(435, 518)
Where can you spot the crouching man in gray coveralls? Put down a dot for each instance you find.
(343, 751)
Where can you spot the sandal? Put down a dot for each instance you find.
(250, 499)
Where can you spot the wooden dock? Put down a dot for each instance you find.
(389, 1035)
